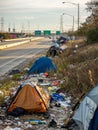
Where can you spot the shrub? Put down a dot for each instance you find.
(92, 35)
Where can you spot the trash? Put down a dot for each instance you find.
(64, 104)
(8, 128)
(54, 51)
(19, 123)
(17, 112)
(44, 84)
(40, 80)
(62, 94)
(58, 104)
(26, 69)
(17, 128)
(52, 123)
(63, 47)
(57, 97)
(2, 117)
(14, 71)
(1, 122)
(52, 89)
(46, 74)
(29, 126)
(35, 122)
(55, 83)
(1, 93)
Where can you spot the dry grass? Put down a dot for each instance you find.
(79, 68)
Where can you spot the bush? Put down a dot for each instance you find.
(4, 35)
(92, 35)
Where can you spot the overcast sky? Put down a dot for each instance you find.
(42, 14)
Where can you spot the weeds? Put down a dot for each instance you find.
(80, 69)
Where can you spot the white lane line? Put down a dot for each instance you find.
(20, 57)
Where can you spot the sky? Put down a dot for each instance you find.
(29, 15)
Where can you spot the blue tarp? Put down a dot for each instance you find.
(94, 122)
(61, 40)
(86, 117)
(42, 65)
(57, 97)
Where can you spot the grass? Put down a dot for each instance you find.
(79, 69)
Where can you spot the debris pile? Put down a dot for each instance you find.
(60, 107)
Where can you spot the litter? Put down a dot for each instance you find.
(35, 122)
(52, 123)
(45, 117)
(63, 104)
(8, 128)
(57, 97)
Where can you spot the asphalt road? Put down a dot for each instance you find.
(11, 57)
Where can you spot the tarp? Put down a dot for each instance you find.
(31, 98)
(85, 113)
(42, 65)
(61, 40)
(94, 122)
(54, 50)
(86, 110)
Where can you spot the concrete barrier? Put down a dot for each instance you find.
(18, 43)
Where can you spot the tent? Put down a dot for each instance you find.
(62, 40)
(85, 116)
(31, 98)
(42, 65)
(54, 51)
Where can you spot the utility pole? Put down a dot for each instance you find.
(22, 30)
(28, 27)
(2, 24)
(13, 28)
(9, 29)
(61, 23)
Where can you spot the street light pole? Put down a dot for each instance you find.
(78, 15)
(73, 24)
(73, 20)
(61, 23)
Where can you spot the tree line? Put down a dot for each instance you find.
(90, 27)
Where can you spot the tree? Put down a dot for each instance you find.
(93, 8)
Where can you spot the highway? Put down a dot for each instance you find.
(11, 57)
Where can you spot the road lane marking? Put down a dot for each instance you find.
(19, 58)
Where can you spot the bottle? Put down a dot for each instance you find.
(35, 122)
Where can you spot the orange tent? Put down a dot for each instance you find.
(31, 98)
